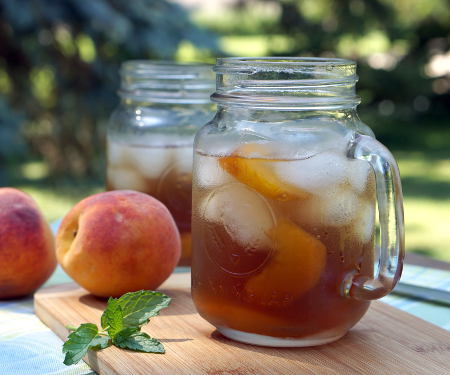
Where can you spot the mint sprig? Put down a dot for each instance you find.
(121, 321)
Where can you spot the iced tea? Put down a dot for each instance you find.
(275, 238)
(162, 172)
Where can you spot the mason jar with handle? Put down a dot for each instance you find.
(151, 133)
(288, 188)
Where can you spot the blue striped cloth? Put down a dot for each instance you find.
(27, 346)
(435, 313)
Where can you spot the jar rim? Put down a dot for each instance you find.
(162, 69)
(286, 82)
(270, 62)
(162, 81)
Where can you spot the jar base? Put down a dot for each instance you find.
(261, 340)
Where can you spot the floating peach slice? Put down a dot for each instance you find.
(258, 173)
(295, 267)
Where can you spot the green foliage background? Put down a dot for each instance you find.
(59, 64)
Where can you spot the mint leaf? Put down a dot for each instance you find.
(80, 341)
(103, 319)
(139, 307)
(132, 339)
(100, 342)
(112, 317)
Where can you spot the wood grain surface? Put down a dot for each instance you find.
(385, 341)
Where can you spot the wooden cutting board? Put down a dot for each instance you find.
(385, 341)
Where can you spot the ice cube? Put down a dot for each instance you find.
(126, 178)
(245, 214)
(334, 207)
(116, 153)
(209, 173)
(364, 224)
(320, 172)
(358, 171)
(150, 161)
(183, 157)
(215, 144)
(339, 208)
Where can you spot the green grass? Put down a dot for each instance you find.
(56, 201)
(255, 45)
(54, 197)
(426, 189)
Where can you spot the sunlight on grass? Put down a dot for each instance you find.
(255, 45)
(34, 170)
(252, 45)
(55, 203)
(414, 164)
(187, 52)
(426, 189)
(427, 229)
(250, 18)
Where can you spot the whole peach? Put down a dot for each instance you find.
(118, 241)
(27, 250)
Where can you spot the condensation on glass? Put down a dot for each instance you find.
(151, 133)
(288, 187)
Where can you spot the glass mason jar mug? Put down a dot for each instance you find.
(151, 133)
(286, 185)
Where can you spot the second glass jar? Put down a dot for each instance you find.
(150, 134)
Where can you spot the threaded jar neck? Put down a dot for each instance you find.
(286, 83)
(166, 82)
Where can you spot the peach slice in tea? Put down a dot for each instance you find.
(258, 173)
(294, 268)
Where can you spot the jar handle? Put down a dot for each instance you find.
(390, 246)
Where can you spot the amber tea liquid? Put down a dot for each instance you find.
(275, 239)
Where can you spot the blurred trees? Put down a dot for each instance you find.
(59, 64)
